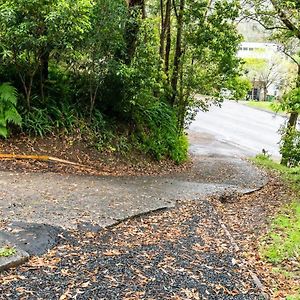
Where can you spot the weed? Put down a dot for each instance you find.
(37, 122)
(7, 251)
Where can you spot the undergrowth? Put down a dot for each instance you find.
(281, 245)
(155, 133)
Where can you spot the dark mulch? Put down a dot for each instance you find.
(181, 253)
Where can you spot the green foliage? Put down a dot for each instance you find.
(157, 132)
(291, 101)
(239, 86)
(264, 105)
(37, 122)
(290, 175)
(290, 146)
(62, 116)
(283, 242)
(34, 25)
(81, 66)
(255, 65)
(7, 251)
(281, 245)
(294, 297)
(34, 32)
(179, 149)
(213, 43)
(8, 111)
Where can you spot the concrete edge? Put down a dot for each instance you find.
(13, 261)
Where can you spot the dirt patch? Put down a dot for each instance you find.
(78, 151)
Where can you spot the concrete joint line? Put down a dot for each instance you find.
(254, 277)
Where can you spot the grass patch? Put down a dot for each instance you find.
(281, 246)
(7, 251)
(293, 297)
(290, 175)
(264, 105)
(283, 241)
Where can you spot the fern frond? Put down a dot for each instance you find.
(3, 132)
(8, 94)
(2, 120)
(12, 116)
(8, 111)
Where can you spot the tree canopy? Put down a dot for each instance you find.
(119, 62)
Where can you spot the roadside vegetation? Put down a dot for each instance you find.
(281, 245)
(115, 74)
(264, 105)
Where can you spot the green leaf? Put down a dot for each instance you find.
(3, 132)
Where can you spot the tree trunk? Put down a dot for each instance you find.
(293, 120)
(136, 8)
(27, 89)
(165, 34)
(44, 75)
(168, 37)
(178, 51)
(294, 115)
(265, 93)
(162, 30)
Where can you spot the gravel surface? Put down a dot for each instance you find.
(181, 253)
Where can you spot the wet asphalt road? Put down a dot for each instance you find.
(236, 130)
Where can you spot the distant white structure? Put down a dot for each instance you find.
(263, 85)
(258, 50)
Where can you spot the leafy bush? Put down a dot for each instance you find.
(157, 132)
(8, 111)
(290, 147)
(180, 149)
(291, 101)
(37, 122)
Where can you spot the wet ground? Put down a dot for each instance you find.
(67, 200)
(180, 251)
(237, 130)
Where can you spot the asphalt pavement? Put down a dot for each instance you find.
(236, 130)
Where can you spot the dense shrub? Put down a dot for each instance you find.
(290, 147)
(80, 66)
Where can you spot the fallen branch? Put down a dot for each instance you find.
(41, 158)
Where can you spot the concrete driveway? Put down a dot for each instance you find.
(219, 140)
